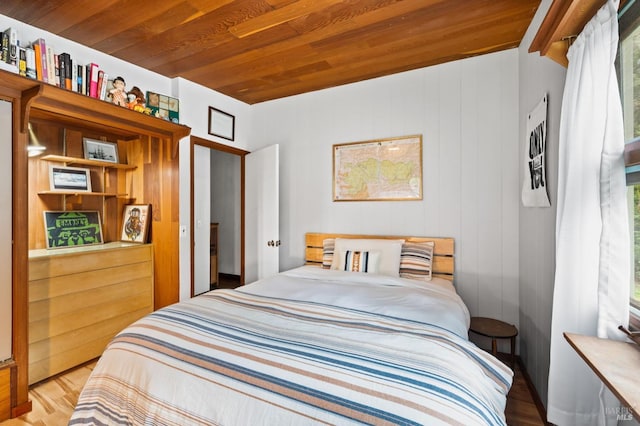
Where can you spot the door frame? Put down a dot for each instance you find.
(195, 140)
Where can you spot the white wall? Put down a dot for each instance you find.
(201, 220)
(538, 75)
(467, 112)
(195, 101)
(225, 209)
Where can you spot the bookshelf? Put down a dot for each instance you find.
(148, 148)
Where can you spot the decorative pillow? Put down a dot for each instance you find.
(416, 261)
(328, 246)
(360, 261)
(389, 250)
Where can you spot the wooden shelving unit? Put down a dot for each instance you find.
(74, 161)
(86, 162)
(148, 145)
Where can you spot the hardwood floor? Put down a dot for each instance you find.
(522, 403)
(54, 399)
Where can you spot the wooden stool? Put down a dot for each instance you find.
(495, 329)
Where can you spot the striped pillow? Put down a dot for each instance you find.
(360, 261)
(328, 247)
(415, 260)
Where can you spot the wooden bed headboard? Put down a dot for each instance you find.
(443, 260)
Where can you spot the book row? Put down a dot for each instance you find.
(40, 61)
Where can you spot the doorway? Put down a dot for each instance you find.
(217, 219)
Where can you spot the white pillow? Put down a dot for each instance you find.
(389, 250)
(360, 261)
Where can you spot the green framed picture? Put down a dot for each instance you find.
(72, 228)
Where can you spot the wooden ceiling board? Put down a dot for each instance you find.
(291, 51)
(258, 47)
(259, 50)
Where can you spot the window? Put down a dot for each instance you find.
(629, 79)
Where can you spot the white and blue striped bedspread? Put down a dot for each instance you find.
(235, 358)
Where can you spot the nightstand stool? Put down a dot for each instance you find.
(495, 329)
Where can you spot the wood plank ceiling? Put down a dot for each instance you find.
(259, 50)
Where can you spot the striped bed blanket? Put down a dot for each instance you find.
(242, 358)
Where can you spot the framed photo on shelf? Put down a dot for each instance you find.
(62, 178)
(221, 124)
(72, 228)
(100, 150)
(135, 223)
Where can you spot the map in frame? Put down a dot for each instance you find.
(378, 170)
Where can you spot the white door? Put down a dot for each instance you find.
(262, 240)
(5, 229)
(201, 218)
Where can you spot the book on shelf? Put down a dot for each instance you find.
(40, 48)
(80, 79)
(66, 71)
(59, 69)
(22, 61)
(87, 80)
(94, 69)
(100, 83)
(74, 77)
(51, 66)
(31, 63)
(12, 56)
(5, 47)
(104, 88)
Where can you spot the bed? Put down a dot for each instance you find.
(314, 345)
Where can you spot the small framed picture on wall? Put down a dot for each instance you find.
(221, 124)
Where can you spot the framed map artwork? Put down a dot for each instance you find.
(378, 170)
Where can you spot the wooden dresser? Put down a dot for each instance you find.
(79, 298)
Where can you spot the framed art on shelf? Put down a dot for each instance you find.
(163, 106)
(72, 228)
(100, 150)
(62, 178)
(135, 223)
(378, 170)
(221, 124)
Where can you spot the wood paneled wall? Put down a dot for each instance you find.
(157, 180)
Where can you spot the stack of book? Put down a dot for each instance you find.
(41, 62)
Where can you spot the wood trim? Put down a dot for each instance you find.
(632, 153)
(443, 255)
(613, 362)
(42, 99)
(195, 140)
(565, 19)
(20, 225)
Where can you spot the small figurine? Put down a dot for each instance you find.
(118, 94)
(136, 99)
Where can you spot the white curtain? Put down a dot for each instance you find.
(591, 293)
